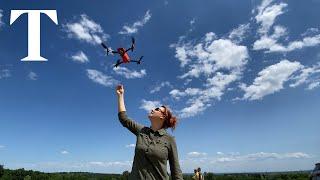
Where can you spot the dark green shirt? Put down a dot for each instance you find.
(153, 150)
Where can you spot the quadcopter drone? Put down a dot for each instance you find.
(123, 53)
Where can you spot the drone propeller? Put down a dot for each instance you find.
(132, 43)
(105, 47)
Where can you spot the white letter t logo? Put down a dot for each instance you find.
(34, 30)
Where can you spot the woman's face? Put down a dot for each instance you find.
(157, 114)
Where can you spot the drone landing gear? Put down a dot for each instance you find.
(118, 63)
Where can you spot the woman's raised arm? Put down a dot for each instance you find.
(123, 118)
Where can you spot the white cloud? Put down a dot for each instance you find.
(267, 15)
(192, 22)
(130, 146)
(295, 155)
(225, 159)
(271, 44)
(309, 76)
(149, 105)
(261, 156)
(210, 57)
(108, 164)
(80, 57)
(5, 73)
(220, 153)
(181, 55)
(202, 99)
(239, 33)
(310, 32)
(85, 30)
(313, 85)
(136, 25)
(252, 162)
(197, 154)
(1, 15)
(270, 80)
(175, 93)
(64, 152)
(32, 76)
(195, 107)
(220, 61)
(100, 78)
(210, 36)
(129, 74)
(159, 86)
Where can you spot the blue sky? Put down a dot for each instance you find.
(243, 78)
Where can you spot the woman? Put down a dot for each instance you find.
(154, 146)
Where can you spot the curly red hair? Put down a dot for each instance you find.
(170, 120)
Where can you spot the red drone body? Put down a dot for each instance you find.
(124, 55)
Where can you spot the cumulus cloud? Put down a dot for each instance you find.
(270, 80)
(32, 76)
(64, 152)
(129, 74)
(238, 34)
(209, 57)
(181, 54)
(259, 157)
(108, 164)
(309, 76)
(5, 73)
(85, 30)
(1, 15)
(220, 153)
(252, 162)
(149, 105)
(126, 29)
(197, 154)
(101, 78)
(267, 15)
(220, 61)
(175, 93)
(158, 87)
(80, 57)
(130, 146)
(271, 44)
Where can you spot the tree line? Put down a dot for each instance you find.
(22, 174)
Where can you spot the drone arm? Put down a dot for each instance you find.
(129, 49)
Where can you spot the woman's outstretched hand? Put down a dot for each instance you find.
(120, 90)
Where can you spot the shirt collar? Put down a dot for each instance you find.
(161, 132)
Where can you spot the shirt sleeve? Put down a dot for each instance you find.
(176, 173)
(133, 126)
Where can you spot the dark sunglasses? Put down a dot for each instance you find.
(158, 109)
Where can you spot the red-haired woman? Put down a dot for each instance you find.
(154, 146)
